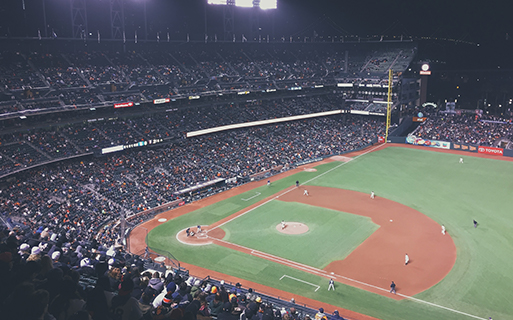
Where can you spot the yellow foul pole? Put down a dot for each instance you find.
(389, 103)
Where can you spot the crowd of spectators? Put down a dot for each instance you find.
(42, 145)
(466, 128)
(67, 278)
(80, 195)
(94, 78)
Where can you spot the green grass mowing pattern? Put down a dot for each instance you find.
(433, 183)
(332, 235)
(452, 194)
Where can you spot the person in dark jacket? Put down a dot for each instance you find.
(216, 305)
(194, 306)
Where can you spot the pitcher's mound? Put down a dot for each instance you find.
(292, 228)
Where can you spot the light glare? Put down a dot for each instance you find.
(244, 3)
(222, 2)
(268, 4)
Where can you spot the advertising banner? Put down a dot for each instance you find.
(428, 143)
(464, 147)
(491, 150)
(160, 101)
(124, 105)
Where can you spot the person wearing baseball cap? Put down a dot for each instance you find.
(336, 316)
(320, 315)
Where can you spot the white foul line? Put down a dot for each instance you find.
(313, 285)
(256, 195)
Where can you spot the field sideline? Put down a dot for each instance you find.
(430, 182)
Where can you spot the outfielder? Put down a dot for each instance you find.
(461, 160)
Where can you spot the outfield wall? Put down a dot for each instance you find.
(413, 140)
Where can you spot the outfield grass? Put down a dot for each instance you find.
(433, 183)
(332, 235)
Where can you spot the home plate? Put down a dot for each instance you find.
(164, 220)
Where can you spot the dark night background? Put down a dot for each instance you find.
(467, 42)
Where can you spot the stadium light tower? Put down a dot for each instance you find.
(228, 12)
(117, 19)
(79, 28)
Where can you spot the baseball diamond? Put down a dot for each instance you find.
(369, 263)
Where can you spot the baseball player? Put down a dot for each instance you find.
(297, 183)
(372, 194)
(331, 286)
(305, 193)
(443, 229)
(392, 287)
(406, 259)
(199, 229)
(475, 224)
(282, 224)
(461, 160)
(268, 183)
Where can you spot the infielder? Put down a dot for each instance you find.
(443, 229)
(372, 194)
(392, 288)
(331, 286)
(282, 224)
(406, 259)
(305, 193)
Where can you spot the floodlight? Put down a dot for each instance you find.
(222, 2)
(268, 4)
(244, 3)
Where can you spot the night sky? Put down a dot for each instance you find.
(477, 23)
(466, 20)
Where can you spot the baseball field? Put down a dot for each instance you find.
(358, 241)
